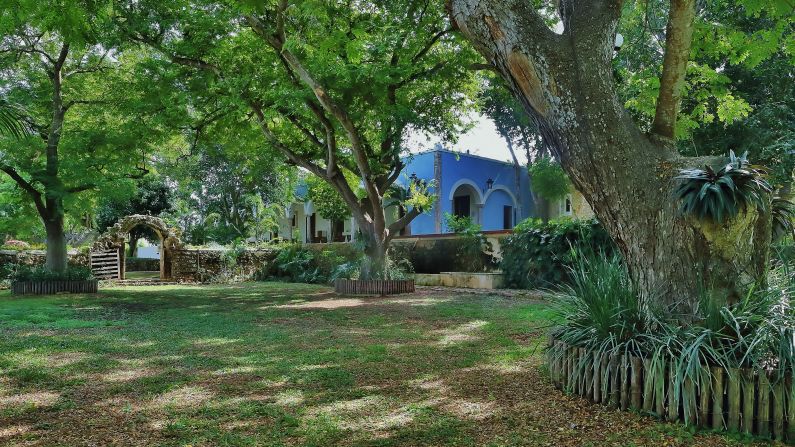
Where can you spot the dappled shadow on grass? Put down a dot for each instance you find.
(244, 366)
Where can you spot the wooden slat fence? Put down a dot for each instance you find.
(373, 287)
(53, 287)
(105, 264)
(737, 400)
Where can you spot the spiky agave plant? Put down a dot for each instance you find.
(707, 194)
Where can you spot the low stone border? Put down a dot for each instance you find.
(52, 287)
(735, 400)
(373, 287)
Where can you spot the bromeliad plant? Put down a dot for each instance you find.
(718, 196)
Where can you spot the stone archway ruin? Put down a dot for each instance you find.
(114, 238)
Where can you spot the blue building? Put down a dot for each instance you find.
(495, 194)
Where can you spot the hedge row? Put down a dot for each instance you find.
(461, 254)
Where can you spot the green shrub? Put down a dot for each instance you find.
(41, 273)
(541, 254)
(298, 263)
(471, 249)
(141, 265)
(6, 270)
(22, 246)
(440, 255)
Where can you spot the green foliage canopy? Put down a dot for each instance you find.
(327, 200)
(333, 87)
(548, 179)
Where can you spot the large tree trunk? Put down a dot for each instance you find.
(374, 266)
(565, 83)
(56, 242)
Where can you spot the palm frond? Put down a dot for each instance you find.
(12, 121)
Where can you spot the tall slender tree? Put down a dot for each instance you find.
(80, 98)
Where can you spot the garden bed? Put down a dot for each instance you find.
(52, 287)
(734, 399)
(373, 287)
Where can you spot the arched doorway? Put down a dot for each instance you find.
(466, 200)
(111, 245)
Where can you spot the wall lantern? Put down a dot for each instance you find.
(489, 183)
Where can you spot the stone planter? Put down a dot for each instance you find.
(373, 287)
(466, 280)
(52, 287)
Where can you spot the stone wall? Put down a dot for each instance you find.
(38, 257)
(205, 264)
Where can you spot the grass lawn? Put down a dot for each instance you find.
(284, 364)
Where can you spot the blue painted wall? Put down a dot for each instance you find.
(474, 170)
(493, 212)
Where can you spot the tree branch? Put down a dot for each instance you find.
(274, 140)
(358, 143)
(462, 13)
(27, 187)
(430, 44)
(98, 67)
(396, 226)
(678, 40)
(479, 67)
(81, 188)
(58, 66)
(177, 59)
(68, 104)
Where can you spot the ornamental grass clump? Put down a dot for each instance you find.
(600, 309)
(601, 312)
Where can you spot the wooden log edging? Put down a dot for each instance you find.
(373, 287)
(53, 287)
(737, 400)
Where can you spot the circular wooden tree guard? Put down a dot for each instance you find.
(373, 287)
(736, 400)
(52, 287)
